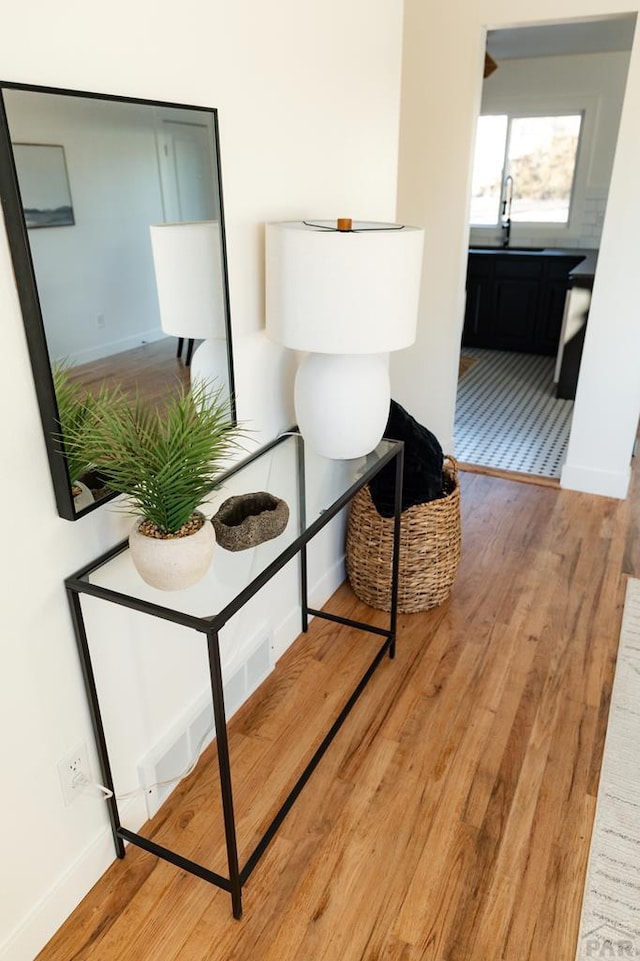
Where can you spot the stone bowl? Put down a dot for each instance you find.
(247, 520)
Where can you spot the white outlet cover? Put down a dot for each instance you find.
(71, 767)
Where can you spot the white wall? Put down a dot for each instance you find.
(308, 98)
(591, 84)
(442, 70)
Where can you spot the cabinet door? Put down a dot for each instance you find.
(515, 301)
(479, 284)
(553, 293)
(549, 324)
(514, 313)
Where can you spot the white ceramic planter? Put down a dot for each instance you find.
(175, 563)
(83, 498)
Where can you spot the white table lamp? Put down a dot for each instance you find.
(346, 296)
(187, 259)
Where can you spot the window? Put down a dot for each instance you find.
(539, 153)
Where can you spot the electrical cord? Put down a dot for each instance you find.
(146, 789)
(82, 782)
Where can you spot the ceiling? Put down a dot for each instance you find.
(550, 40)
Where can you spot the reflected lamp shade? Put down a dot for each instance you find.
(187, 259)
(346, 297)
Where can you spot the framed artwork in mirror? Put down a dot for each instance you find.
(90, 295)
(44, 185)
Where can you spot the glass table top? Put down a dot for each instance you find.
(321, 487)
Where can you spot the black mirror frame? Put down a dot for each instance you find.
(28, 290)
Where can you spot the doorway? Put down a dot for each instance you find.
(525, 218)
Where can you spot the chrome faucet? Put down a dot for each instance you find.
(505, 220)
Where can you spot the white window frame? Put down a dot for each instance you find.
(589, 106)
(520, 114)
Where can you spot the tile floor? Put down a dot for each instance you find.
(507, 415)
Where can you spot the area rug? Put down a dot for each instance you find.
(610, 923)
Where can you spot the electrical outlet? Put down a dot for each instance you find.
(100, 321)
(74, 772)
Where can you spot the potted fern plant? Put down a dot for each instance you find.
(74, 404)
(166, 460)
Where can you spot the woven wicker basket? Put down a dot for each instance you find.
(430, 541)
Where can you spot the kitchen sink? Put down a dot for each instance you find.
(506, 250)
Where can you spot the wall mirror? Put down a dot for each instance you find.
(84, 178)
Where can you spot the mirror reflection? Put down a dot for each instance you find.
(97, 177)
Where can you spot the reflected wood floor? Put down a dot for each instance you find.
(152, 371)
(451, 817)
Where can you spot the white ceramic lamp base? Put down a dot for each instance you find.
(342, 403)
(209, 364)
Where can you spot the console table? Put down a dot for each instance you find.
(112, 578)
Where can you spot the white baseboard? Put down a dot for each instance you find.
(592, 481)
(288, 629)
(51, 911)
(321, 591)
(114, 347)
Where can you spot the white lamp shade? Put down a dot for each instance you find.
(339, 292)
(188, 264)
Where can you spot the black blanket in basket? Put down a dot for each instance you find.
(423, 460)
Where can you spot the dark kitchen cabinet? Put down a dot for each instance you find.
(479, 284)
(553, 295)
(513, 312)
(515, 301)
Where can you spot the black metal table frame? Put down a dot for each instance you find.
(78, 584)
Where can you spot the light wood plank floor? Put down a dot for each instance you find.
(451, 817)
(151, 371)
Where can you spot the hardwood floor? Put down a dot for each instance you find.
(152, 371)
(451, 818)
